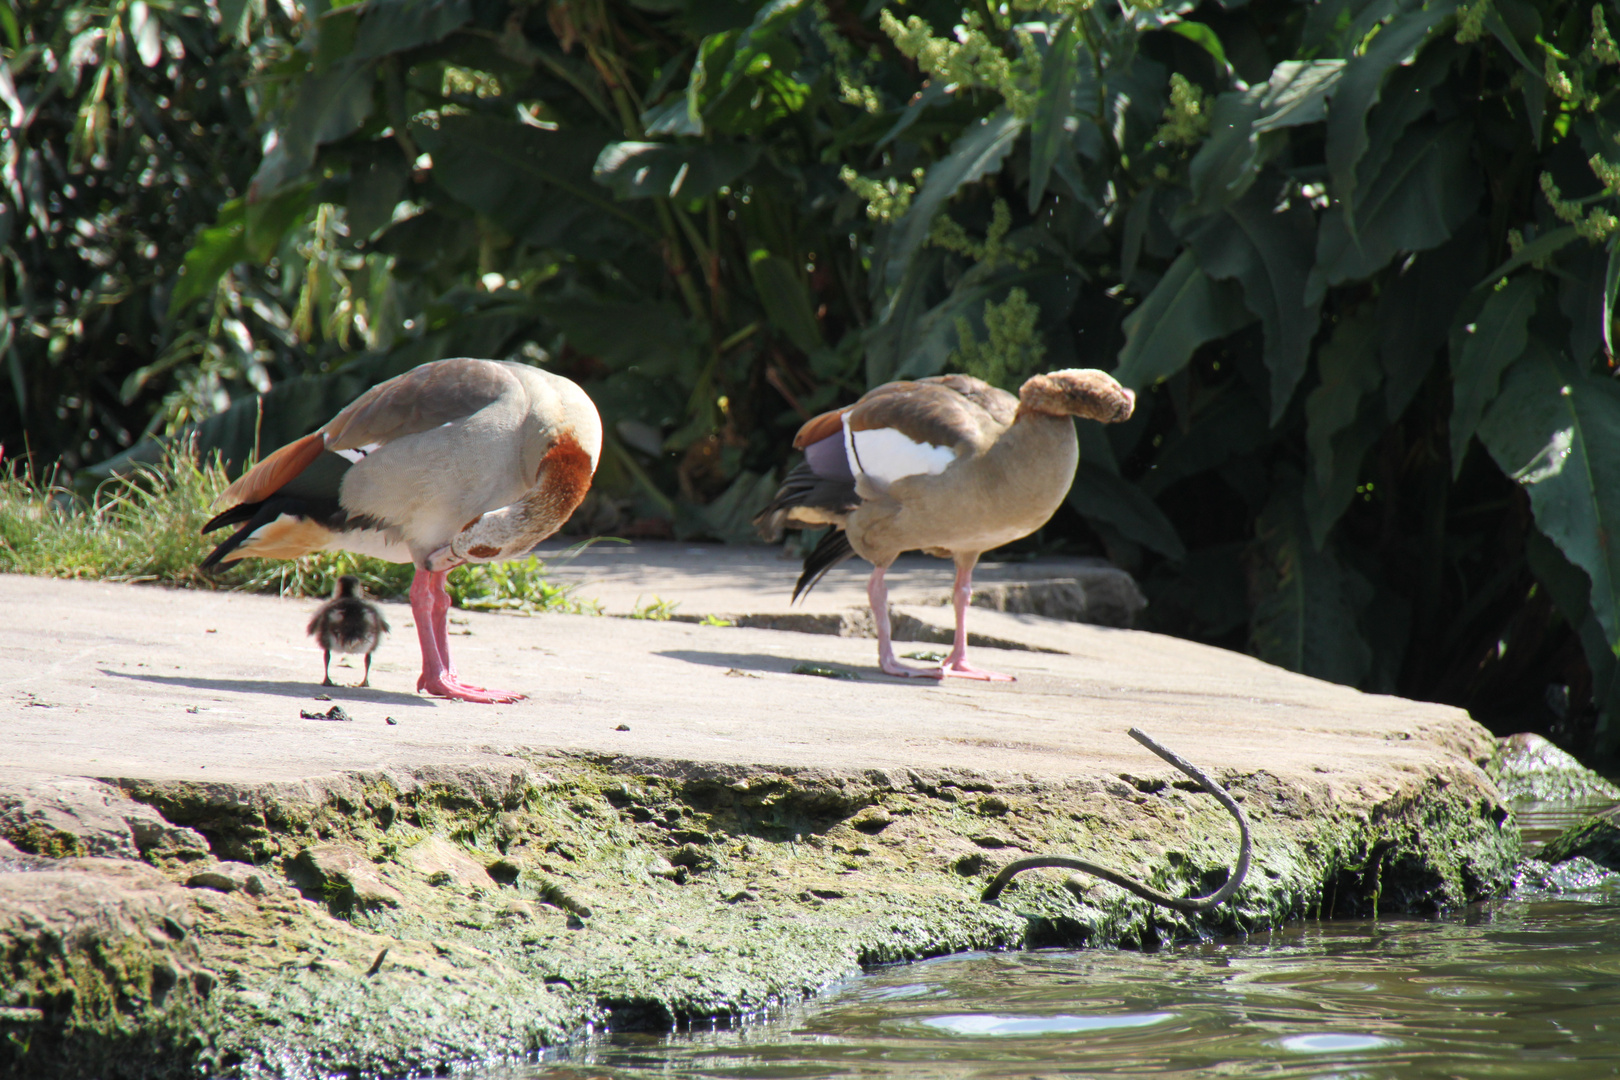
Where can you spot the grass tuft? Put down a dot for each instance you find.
(144, 527)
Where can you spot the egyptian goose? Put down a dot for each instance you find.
(348, 623)
(456, 461)
(949, 465)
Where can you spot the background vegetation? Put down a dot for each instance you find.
(1357, 254)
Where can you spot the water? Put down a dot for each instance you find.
(1526, 987)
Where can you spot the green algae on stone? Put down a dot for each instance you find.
(568, 890)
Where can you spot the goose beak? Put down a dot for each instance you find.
(442, 560)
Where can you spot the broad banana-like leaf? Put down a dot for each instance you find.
(1047, 136)
(1348, 364)
(1186, 309)
(977, 153)
(1103, 495)
(1306, 614)
(1270, 253)
(1233, 425)
(327, 106)
(1482, 350)
(1415, 311)
(1327, 500)
(1556, 431)
(786, 300)
(1426, 190)
(1362, 85)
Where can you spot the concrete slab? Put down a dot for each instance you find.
(127, 681)
(717, 579)
(674, 825)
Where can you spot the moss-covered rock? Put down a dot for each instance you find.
(519, 905)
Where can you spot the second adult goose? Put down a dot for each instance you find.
(949, 465)
(455, 461)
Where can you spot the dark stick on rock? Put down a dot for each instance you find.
(1188, 904)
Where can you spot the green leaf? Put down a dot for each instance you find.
(1297, 93)
(244, 233)
(673, 117)
(1233, 425)
(1271, 254)
(1205, 38)
(1415, 309)
(1229, 158)
(641, 170)
(1543, 246)
(1426, 190)
(1408, 96)
(1482, 350)
(1186, 309)
(1101, 495)
(328, 105)
(1556, 431)
(1047, 135)
(1611, 289)
(653, 337)
(1307, 603)
(1583, 298)
(1362, 84)
(1348, 364)
(786, 300)
(1231, 155)
(1327, 500)
(390, 27)
(977, 153)
(535, 184)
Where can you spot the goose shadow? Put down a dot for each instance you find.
(784, 665)
(303, 691)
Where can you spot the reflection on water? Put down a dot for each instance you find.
(1523, 988)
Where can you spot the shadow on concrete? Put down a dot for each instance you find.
(303, 691)
(782, 665)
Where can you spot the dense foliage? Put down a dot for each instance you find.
(1358, 254)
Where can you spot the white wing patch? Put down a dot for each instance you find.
(884, 455)
(355, 455)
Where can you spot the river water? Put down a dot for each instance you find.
(1525, 987)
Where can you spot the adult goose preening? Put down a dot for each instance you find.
(455, 461)
(949, 465)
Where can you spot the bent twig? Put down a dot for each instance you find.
(1188, 904)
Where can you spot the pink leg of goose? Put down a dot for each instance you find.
(956, 664)
(878, 594)
(430, 605)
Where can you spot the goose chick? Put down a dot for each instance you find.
(949, 465)
(348, 623)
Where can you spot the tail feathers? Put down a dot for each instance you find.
(833, 549)
(274, 529)
(274, 472)
(806, 500)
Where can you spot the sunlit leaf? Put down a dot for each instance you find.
(639, 170)
(1556, 431)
